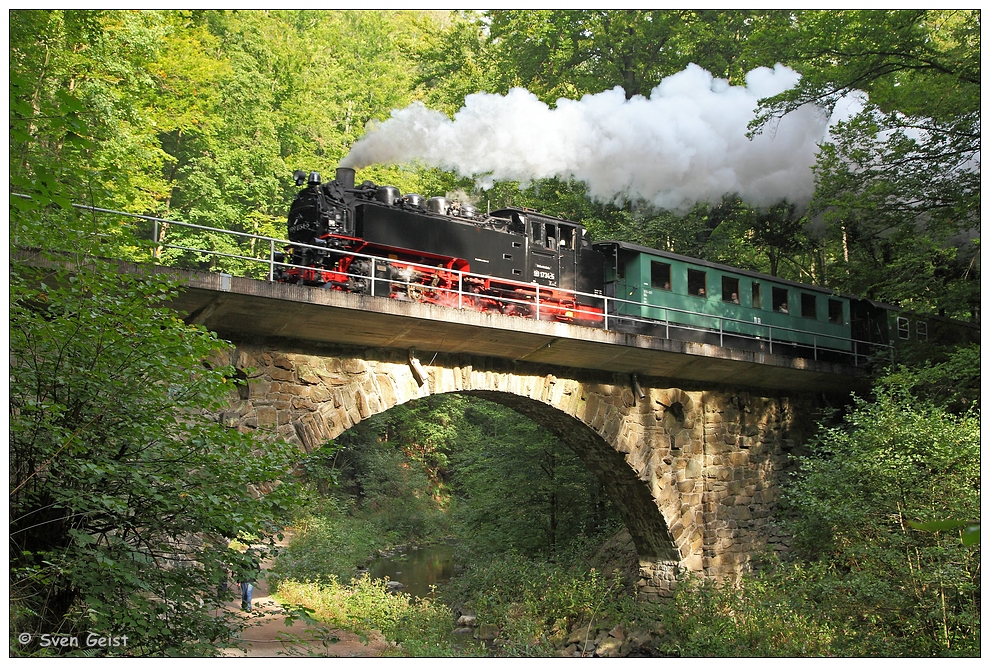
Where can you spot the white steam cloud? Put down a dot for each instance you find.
(684, 144)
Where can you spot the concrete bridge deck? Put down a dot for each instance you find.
(240, 307)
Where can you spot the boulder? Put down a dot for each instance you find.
(610, 647)
(586, 647)
(579, 634)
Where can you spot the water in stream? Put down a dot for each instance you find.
(417, 569)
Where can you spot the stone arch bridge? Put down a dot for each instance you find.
(691, 440)
(695, 474)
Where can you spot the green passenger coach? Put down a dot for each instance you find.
(707, 302)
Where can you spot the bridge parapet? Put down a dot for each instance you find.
(242, 307)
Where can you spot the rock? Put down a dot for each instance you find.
(638, 638)
(394, 585)
(487, 632)
(579, 634)
(567, 652)
(463, 631)
(586, 647)
(618, 632)
(609, 648)
(467, 620)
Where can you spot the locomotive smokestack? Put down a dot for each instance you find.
(345, 176)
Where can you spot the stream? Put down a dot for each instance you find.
(417, 569)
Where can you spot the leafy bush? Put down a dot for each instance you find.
(327, 547)
(894, 460)
(419, 627)
(533, 601)
(123, 485)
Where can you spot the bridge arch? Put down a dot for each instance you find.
(678, 464)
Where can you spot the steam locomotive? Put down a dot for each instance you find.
(371, 239)
(512, 261)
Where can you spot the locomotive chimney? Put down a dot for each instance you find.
(345, 177)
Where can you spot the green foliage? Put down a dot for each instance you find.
(567, 53)
(422, 627)
(898, 187)
(950, 381)
(328, 545)
(122, 485)
(534, 602)
(760, 618)
(894, 460)
(122, 488)
(519, 488)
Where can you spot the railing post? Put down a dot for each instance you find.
(155, 251)
(770, 337)
(271, 260)
(721, 333)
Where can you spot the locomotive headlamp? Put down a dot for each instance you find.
(299, 176)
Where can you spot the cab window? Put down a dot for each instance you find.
(551, 236)
(809, 307)
(756, 295)
(566, 237)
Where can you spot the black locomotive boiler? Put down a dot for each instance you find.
(372, 239)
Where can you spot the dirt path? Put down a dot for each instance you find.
(267, 635)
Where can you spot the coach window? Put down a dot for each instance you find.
(780, 300)
(696, 283)
(903, 328)
(730, 289)
(809, 307)
(756, 295)
(922, 328)
(660, 275)
(835, 312)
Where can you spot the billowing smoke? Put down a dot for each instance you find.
(684, 144)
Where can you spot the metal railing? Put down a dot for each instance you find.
(615, 314)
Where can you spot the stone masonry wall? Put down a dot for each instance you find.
(695, 474)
